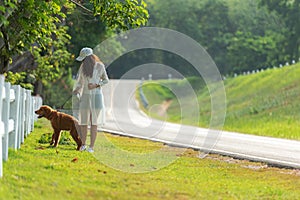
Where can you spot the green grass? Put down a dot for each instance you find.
(265, 104)
(39, 172)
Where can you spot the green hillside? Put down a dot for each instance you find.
(265, 103)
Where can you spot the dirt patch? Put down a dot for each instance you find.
(253, 165)
(164, 107)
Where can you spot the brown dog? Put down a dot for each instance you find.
(60, 121)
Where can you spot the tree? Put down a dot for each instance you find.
(34, 39)
(216, 26)
(248, 52)
(289, 10)
(34, 34)
(206, 21)
(239, 35)
(85, 30)
(92, 21)
(257, 37)
(33, 25)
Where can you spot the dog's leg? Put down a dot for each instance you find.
(78, 129)
(57, 137)
(52, 139)
(76, 137)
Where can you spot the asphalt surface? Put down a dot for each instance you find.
(124, 117)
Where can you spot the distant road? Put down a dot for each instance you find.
(125, 118)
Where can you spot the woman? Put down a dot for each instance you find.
(91, 77)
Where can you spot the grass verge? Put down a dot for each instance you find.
(39, 172)
(265, 104)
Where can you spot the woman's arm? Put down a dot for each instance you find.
(79, 82)
(101, 76)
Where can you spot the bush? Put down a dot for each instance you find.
(65, 138)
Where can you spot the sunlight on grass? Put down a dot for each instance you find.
(265, 104)
(39, 172)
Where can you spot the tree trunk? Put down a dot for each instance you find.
(38, 88)
(3, 64)
(22, 63)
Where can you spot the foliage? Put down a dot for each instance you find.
(51, 64)
(289, 11)
(39, 26)
(248, 52)
(6, 9)
(65, 138)
(24, 79)
(185, 19)
(38, 172)
(85, 31)
(124, 15)
(258, 37)
(36, 26)
(239, 35)
(57, 93)
(42, 28)
(205, 21)
(107, 16)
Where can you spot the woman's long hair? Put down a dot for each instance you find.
(88, 65)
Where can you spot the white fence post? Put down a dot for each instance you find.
(5, 118)
(14, 115)
(31, 113)
(17, 117)
(22, 116)
(27, 110)
(1, 123)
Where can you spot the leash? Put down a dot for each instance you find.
(62, 106)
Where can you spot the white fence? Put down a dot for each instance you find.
(17, 117)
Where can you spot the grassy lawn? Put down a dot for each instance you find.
(266, 103)
(39, 172)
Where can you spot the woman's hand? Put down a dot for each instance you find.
(76, 91)
(92, 86)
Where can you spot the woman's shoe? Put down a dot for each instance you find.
(90, 150)
(82, 148)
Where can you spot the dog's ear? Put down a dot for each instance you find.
(47, 110)
(44, 111)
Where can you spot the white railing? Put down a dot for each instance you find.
(17, 117)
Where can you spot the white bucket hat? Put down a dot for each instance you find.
(84, 53)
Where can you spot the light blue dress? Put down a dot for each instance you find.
(91, 104)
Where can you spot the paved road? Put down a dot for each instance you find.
(125, 118)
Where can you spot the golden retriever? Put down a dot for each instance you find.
(60, 121)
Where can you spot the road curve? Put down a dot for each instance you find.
(123, 117)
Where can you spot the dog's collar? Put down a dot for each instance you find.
(51, 115)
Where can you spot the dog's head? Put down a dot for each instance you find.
(44, 111)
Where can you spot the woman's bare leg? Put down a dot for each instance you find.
(84, 129)
(93, 135)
